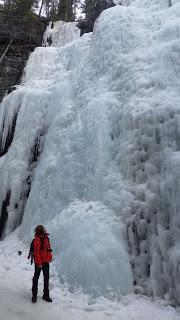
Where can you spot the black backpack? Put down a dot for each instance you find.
(31, 249)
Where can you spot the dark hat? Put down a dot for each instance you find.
(40, 230)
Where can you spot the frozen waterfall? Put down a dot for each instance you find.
(90, 148)
(59, 162)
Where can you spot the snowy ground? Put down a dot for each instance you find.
(15, 295)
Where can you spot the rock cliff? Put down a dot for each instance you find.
(18, 38)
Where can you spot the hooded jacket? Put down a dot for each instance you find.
(42, 249)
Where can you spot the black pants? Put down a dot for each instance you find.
(45, 269)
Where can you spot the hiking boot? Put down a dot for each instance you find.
(34, 299)
(47, 298)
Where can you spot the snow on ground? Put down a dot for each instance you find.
(15, 295)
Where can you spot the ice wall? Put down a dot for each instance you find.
(103, 112)
(23, 126)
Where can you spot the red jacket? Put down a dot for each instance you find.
(42, 250)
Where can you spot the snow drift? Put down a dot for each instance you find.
(98, 122)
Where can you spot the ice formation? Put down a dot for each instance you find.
(60, 33)
(95, 147)
(90, 250)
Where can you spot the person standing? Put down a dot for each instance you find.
(42, 254)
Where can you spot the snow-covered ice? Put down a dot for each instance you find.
(105, 112)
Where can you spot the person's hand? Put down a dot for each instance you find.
(39, 266)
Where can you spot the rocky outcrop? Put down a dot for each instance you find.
(18, 38)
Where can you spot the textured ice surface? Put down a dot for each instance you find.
(108, 104)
